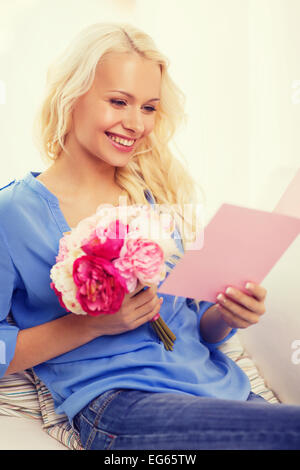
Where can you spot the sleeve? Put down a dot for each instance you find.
(203, 306)
(8, 332)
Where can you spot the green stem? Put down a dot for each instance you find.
(167, 330)
(168, 344)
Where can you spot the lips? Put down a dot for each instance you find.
(118, 146)
(119, 135)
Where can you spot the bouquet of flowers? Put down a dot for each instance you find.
(105, 256)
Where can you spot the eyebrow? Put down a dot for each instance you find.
(131, 96)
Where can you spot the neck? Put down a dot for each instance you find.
(82, 172)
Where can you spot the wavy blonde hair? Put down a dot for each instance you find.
(153, 167)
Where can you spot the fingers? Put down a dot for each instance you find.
(146, 316)
(244, 300)
(234, 321)
(142, 306)
(139, 288)
(257, 290)
(236, 315)
(148, 305)
(240, 310)
(148, 295)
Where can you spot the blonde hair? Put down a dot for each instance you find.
(153, 167)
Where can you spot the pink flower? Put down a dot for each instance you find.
(100, 288)
(142, 259)
(109, 249)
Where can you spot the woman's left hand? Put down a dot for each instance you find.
(240, 310)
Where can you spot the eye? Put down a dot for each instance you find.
(150, 109)
(117, 102)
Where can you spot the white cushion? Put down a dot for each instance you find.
(18, 433)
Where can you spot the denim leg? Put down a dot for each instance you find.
(131, 419)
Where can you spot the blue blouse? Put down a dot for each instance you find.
(31, 225)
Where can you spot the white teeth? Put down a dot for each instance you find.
(125, 142)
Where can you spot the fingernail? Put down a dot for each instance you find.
(161, 299)
(229, 290)
(156, 317)
(249, 285)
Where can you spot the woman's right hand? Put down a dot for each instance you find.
(72, 331)
(137, 308)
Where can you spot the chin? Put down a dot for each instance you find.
(120, 161)
(123, 163)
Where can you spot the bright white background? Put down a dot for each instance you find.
(238, 63)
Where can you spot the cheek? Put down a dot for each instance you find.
(82, 119)
(90, 114)
(106, 118)
(149, 126)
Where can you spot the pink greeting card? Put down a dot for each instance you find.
(240, 245)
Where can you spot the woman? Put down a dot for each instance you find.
(105, 123)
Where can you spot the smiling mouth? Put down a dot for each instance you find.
(120, 144)
(127, 142)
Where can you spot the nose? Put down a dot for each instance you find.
(134, 121)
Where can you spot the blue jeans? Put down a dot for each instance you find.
(130, 419)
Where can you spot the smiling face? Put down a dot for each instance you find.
(102, 112)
